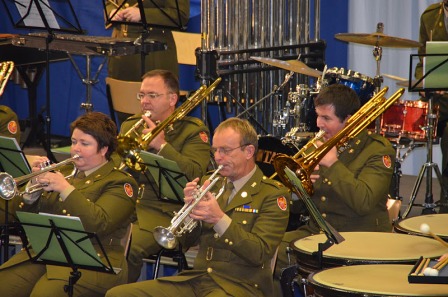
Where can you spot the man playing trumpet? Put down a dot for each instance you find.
(102, 196)
(238, 233)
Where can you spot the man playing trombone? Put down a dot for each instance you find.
(185, 141)
(102, 196)
(238, 231)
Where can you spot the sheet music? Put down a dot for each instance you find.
(32, 16)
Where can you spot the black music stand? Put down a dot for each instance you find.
(167, 175)
(52, 16)
(425, 84)
(333, 236)
(175, 24)
(62, 241)
(12, 161)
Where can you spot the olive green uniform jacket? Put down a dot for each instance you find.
(129, 67)
(105, 202)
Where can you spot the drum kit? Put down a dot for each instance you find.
(405, 124)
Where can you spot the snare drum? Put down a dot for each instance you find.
(360, 83)
(365, 248)
(406, 119)
(371, 280)
(436, 222)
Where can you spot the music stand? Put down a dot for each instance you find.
(428, 83)
(52, 16)
(12, 161)
(62, 241)
(167, 175)
(171, 23)
(333, 236)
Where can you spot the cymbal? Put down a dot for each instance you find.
(377, 39)
(291, 65)
(401, 81)
(398, 78)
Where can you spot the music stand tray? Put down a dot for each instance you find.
(62, 240)
(167, 175)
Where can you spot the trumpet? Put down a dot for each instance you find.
(182, 222)
(8, 184)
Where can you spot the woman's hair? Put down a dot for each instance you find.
(100, 127)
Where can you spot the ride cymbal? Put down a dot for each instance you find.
(377, 39)
(291, 65)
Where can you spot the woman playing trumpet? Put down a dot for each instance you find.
(103, 197)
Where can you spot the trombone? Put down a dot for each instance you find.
(8, 184)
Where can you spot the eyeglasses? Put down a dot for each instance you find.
(226, 151)
(151, 96)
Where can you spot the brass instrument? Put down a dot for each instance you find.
(304, 165)
(129, 147)
(8, 184)
(6, 69)
(182, 222)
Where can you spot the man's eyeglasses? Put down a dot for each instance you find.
(226, 151)
(151, 96)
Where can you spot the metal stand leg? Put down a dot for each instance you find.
(429, 205)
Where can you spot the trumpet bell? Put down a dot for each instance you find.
(129, 148)
(282, 161)
(165, 238)
(8, 187)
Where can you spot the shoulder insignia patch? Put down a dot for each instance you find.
(12, 127)
(282, 203)
(387, 161)
(128, 189)
(203, 136)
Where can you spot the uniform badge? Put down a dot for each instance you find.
(282, 204)
(203, 136)
(128, 189)
(12, 127)
(387, 161)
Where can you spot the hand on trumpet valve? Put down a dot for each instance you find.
(53, 181)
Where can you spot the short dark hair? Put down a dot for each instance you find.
(345, 100)
(170, 79)
(100, 127)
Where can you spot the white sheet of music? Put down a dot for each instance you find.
(28, 9)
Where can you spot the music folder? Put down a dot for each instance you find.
(167, 175)
(62, 240)
(12, 159)
(435, 66)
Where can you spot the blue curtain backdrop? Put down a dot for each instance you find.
(67, 92)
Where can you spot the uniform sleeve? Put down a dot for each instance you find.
(361, 190)
(115, 203)
(194, 156)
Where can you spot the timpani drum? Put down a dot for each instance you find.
(371, 280)
(437, 223)
(364, 248)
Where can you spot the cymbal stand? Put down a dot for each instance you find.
(428, 205)
(378, 80)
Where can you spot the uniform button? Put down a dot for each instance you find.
(325, 180)
(230, 242)
(60, 199)
(216, 235)
(323, 198)
(138, 201)
(226, 240)
(329, 183)
(64, 211)
(68, 215)
(209, 270)
(244, 222)
(256, 285)
(324, 215)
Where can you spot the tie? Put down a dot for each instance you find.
(78, 176)
(228, 191)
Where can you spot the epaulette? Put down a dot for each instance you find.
(432, 7)
(194, 120)
(5, 109)
(378, 138)
(272, 182)
(133, 117)
(123, 172)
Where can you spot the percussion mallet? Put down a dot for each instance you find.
(434, 271)
(425, 229)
